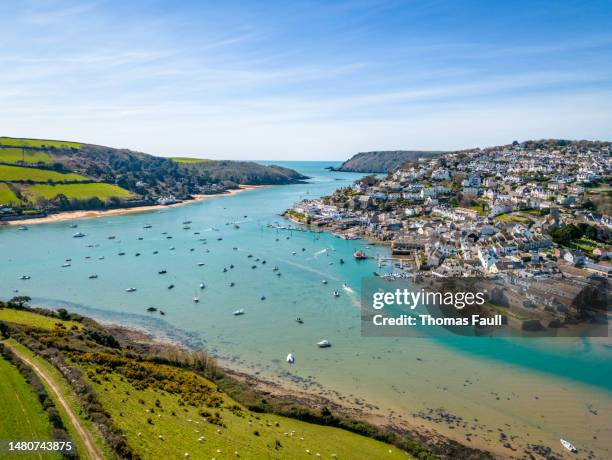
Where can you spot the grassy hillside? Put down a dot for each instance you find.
(167, 412)
(164, 406)
(22, 416)
(119, 175)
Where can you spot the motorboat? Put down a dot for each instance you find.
(239, 312)
(171, 286)
(65, 265)
(324, 344)
(93, 277)
(132, 289)
(324, 281)
(290, 358)
(147, 226)
(568, 445)
(25, 277)
(22, 228)
(359, 255)
(299, 320)
(200, 264)
(78, 235)
(336, 294)
(162, 272)
(196, 299)
(202, 285)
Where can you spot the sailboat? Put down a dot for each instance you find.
(568, 445)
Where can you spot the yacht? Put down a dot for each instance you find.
(568, 445)
(78, 235)
(239, 312)
(324, 344)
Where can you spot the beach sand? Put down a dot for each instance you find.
(71, 215)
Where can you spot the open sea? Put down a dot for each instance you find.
(535, 389)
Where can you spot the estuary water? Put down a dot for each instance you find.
(467, 388)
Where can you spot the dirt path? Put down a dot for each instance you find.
(93, 453)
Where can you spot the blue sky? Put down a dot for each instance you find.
(304, 80)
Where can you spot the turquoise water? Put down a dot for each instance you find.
(261, 338)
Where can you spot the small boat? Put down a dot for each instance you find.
(202, 285)
(336, 294)
(172, 248)
(162, 272)
(78, 235)
(249, 256)
(155, 252)
(137, 254)
(568, 445)
(73, 225)
(299, 320)
(253, 266)
(200, 264)
(224, 269)
(22, 228)
(232, 284)
(186, 222)
(290, 358)
(324, 281)
(171, 286)
(236, 226)
(275, 269)
(147, 226)
(359, 255)
(324, 344)
(151, 309)
(65, 265)
(239, 312)
(93, 277)
(263, 262)
(278, 273)
(121, 254)
(68, 260)
(303, 249)
(196, 299)
(294, 253)
(140, 238)
(112, 237)
(132, 289)
(341, 261)
(263, 297)
(25, 277)
(161, 312)
(231, 266)
(191, 249)
(101, 258)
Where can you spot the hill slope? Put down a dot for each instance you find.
(49, 176)
(383, 161)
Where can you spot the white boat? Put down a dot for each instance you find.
(202, 285)
(200, 264)
(132, 289)
(196, 299)
(336, 294)
(324, 344)
(568, 445)
(290, 358)
(324, 281)
(73, 225)
(22, 228)
(239, 312)
(78, 235)
(25, 277)
(65, 265)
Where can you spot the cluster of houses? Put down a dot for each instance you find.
(479, 212)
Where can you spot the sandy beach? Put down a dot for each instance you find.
(70, 215)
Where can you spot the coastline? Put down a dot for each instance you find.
(73, 215)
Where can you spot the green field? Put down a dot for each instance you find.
(7, 196)
(19, 173)
(512, 218)
(189, 160)
(17, 154)
(76, 191)
(33, 319)
(146, 412)
(22, 416)
(40, 143)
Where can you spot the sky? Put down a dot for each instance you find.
(296, 80)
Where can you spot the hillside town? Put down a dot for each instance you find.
(533, 212)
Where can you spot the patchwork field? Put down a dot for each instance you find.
(22, 416)
(19, 173)
(16, 142)
(75, 191)
(169, 413)
(17, 154)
